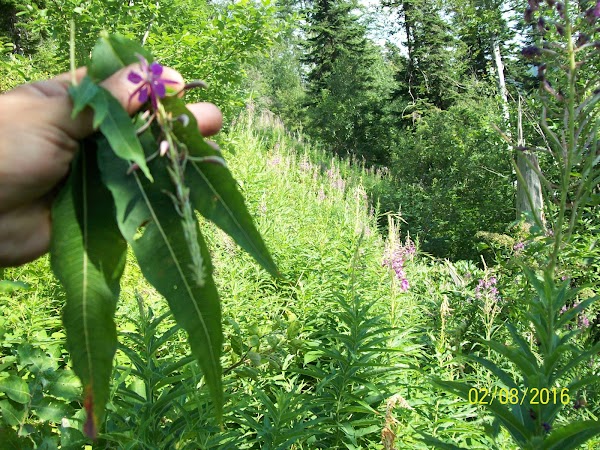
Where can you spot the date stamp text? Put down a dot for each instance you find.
(514, 396)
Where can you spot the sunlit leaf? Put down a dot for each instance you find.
(66, 386)
(572, 435)
(148, 220)
(50, 409)
(15, 388)
(214, 191)
(112, 119)
(88, 257)
(112, 53)
(13, 415)
(36, 358)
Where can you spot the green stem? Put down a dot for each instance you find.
(178, 158)
(569, 144)
(72, 52)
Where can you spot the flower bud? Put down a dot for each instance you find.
(534, 5)
(184, 119)
(541, 26)
(560, 9)
(582, 39)
(551, 3)
(531, 51)
(528, 16)
(541, 71)
(164, 147)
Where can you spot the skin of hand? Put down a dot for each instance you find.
(38, 140)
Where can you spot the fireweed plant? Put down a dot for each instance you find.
(139, 182)
(541, 377)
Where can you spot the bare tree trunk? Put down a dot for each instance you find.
(147, 33)
(529, 194)
(501, 80)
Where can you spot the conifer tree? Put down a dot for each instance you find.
(341, 98)
(429, 73)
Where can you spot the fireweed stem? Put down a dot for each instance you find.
(177, 156)
(72, 52)
(569, 142)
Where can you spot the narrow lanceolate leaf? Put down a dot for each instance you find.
(572, 435)
(149, 221)
(88, 257)
(213, 190)
(112, 119)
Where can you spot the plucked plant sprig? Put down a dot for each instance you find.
(531, 405)
(139, 183)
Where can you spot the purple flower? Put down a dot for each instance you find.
(395, 259)
(321, 195)
(339, 184)
(274, 161)
(518, 247)
(305, 166)
(583, 321)
(153, 85)
(547, 427)
(404, 285)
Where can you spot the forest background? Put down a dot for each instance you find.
(417, 106)
(411, 87)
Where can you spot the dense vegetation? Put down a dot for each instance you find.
(375, 148)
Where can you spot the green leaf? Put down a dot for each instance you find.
(51, 410)
(514, 426)
(15, 388)
(10, 439)
(112, 53)
(148, 220)
(88, 257)
(213, 190)
(36, 358)
(113, 121)
(66, 386)
(82, 95)
(8, 286)
(436, 443)
(572, 435)
(13, 415)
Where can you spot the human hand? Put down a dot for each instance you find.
(38, 140)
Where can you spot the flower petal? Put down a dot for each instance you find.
(143, 95)
(156, 69)
(143, 62)
(134, 77)
(159, 89)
